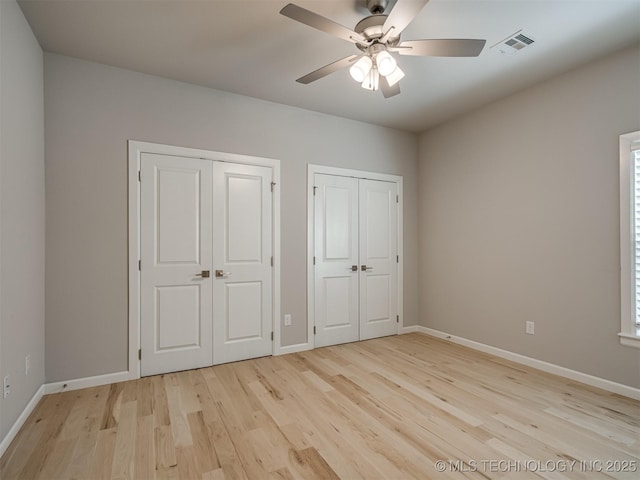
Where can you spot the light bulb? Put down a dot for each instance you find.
(386, 63)
(361, 68)
(395, 76)
(372, 81)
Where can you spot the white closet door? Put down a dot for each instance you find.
(176, 248)
(379, 268)
(243, 279)
(336, 255)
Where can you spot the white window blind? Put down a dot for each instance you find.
(635, 155)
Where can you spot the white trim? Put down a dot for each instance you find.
(86, 382)
(591, 380)
(20, 421)
(628, 331)
(400, 246)
(344, 172)
(298, 347)
(310, 250)
(629, 340)
(136, 148)
(409, 329)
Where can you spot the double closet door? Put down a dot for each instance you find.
(206, 262)
(355, 259)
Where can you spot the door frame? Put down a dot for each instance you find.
(359, 174)
(136, 149)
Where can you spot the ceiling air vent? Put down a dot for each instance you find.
(513, 43)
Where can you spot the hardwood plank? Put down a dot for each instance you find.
(112, 409)
(179, 425)
(145, 448)
(203, 444)
(164, 448)
(103, 457)
(124, 450)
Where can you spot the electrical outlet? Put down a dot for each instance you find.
(6, 387)
(530, 328)
(287, 320)
(27, 364)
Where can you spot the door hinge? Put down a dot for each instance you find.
(273, 185)
(272, 261)
(139, 176)
(314, 191)
(272, 336)
(139, 265)
(397, 318)
(314, 330)
(139, 354)
(397, 198)
(314, 260)
(397, 258)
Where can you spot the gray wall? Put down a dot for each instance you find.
(519, 220)
(92, 110)
(21, 212)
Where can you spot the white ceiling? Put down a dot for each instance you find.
(247, 47)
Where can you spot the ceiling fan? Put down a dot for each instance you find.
(377, 37)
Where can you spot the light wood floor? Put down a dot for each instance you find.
(387, 408)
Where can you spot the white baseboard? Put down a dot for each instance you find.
(6, 441)
(298, 347)
(409, 329)
(86, 382)
(591, 380)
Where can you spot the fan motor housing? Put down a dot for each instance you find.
(377, 7)
(371, 28)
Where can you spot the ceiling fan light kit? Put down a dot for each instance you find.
(386, 63)
(361, 68)
(369, 67)
(376, 36)
(372, 80)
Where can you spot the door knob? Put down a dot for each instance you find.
(354, 268)
(364, 268)
(204, 274)
(222, 274)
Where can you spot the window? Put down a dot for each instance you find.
(630, 239)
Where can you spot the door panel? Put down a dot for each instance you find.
(336, 246)
(378, 249)
(244, 216)
(378, 294)
(338, 294)
(338, 228)
(178, 197)
(242, 219)
(244, 311)
(176, 245)
(377, 219)
(178, 302)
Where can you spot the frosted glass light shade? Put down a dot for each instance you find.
(395, 76)
(386, 63)
(361, 68)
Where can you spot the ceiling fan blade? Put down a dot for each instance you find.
(442, 48)
(321, 23)
(387, 90)
(327, 69)
(402, 15)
